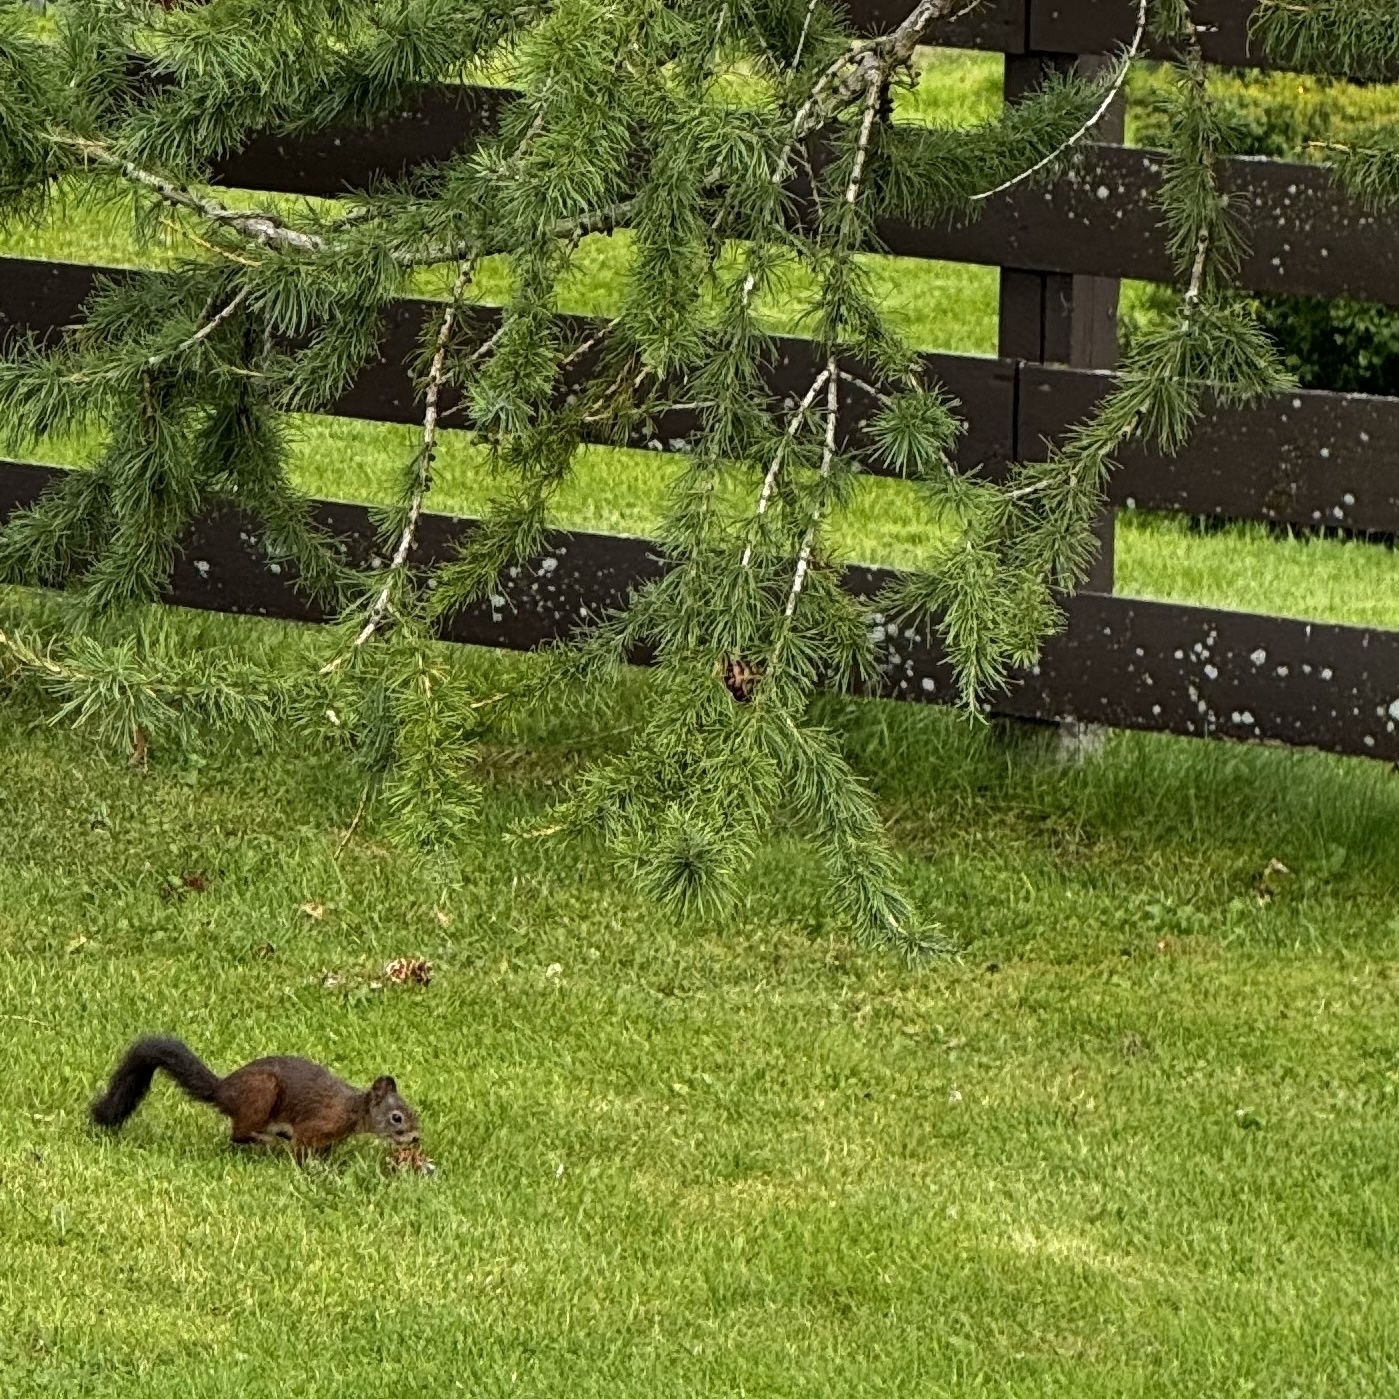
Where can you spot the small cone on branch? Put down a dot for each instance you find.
(740, 678)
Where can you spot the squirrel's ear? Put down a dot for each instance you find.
(382, 1087)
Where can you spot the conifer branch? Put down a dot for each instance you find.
(719, 29)
(260, 227)
(481, 352)
(1204, 240)
(1197, 270)
(29, 658)
(269, 231)
(873, 99)
(621, 122)
(874, 392)
(591, 343)
(869, 64)
(607, 219)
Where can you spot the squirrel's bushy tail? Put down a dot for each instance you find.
(132, 1079)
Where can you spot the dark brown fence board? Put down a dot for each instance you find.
(1306, 236)
(42, 297)
(1305, 459)
(998, 25)
(1209, 673)
(1121, 661)
(1100, 218)
(985, 388)
(221, 567)
(431, 128)
(1101, 26)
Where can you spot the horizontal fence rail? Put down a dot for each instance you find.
(1079, 27)
(1305, 235)
(1305, 459)
(1015, 27)
(1131, 664)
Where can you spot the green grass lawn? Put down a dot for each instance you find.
(1137, 1139)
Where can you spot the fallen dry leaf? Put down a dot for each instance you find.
(313, 910)
(403, 971)
(1269, 883)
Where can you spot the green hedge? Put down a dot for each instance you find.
(1350, 346)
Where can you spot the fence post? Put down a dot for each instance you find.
(1056, 318)
(1052, 317)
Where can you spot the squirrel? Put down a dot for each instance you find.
(271, 1101)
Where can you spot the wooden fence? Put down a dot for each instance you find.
(1306, 459)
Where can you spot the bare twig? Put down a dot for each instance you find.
(859, 383)
(1203, 238)
(591, 342)
(427, 454)
(204, 332)
(1197, 272)
(259, 226)
(867, 65)
(269, 231)
(354, 824)
(874, 96)
(1109, 97)
(801, 38)
(829, 377)
(862, 150)
(770, 480)
(475, 358)
(604, 220)
(828, 455)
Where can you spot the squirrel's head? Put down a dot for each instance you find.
(390, 1116)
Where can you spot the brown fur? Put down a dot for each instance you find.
(275, 1101)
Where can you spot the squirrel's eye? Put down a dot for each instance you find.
(396, 1118)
